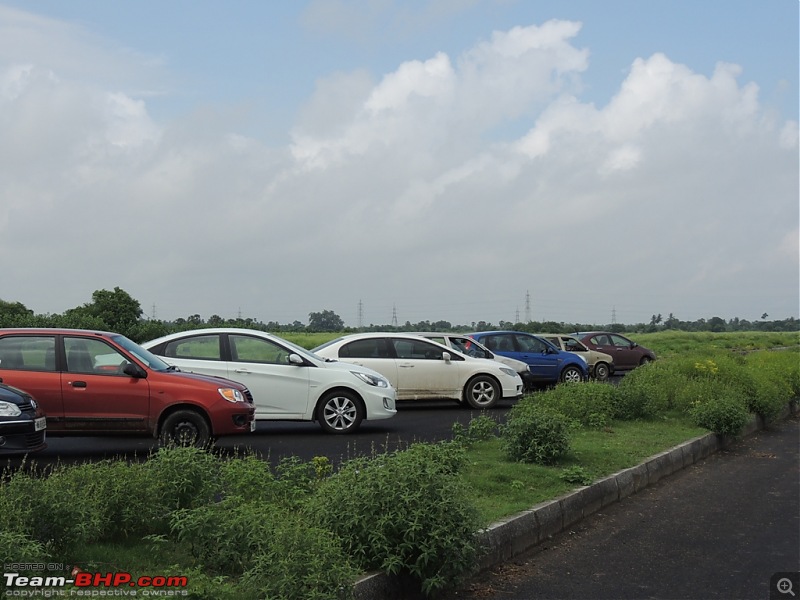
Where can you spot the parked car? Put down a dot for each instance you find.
(94, 382)
(423, 369)
(601, 365)
(549, 365)
(466, 345)
(627, 354)
(22, 422)
(287, 382)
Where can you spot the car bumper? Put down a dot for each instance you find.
(380, 404)
(20, 436)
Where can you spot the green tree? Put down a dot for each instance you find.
(118, 311)
(327, 320)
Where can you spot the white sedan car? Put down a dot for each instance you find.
(287, 382)
(421, 369)
(466, 345)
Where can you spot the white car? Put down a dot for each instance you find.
(466, 345)
(288, 382)
(422, 369)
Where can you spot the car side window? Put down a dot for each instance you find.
(198, 347)
(468, 347)
(620, 341)
(245, 348)
(601, 340)
(86, 355)
(530, 344)
(368, 348)
(28, 353)
(417, 350)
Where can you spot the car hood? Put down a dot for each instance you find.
(210, 379)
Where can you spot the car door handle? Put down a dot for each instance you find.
(241, 371)
(406, 366)
(78, 384)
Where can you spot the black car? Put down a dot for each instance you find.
(22, 422)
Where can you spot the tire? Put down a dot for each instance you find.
(482, 392)
(645, 360)
(340, 412)
(571, 374)
(185, 428)
(601, 371)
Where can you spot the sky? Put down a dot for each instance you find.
(459, 160)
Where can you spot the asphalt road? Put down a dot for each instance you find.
(722, 528)
(273, 440)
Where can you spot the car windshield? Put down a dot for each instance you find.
(305, 353)
(148, 358)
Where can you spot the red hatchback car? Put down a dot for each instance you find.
(626, 353)
(93, 382)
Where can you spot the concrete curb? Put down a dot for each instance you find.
(519, 533)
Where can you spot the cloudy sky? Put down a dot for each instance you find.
(460, 160)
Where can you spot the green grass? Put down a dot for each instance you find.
(673, 343)
(501, 488)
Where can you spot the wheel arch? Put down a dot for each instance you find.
(334, 390)
(173, 408)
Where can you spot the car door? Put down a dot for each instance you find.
(279, 388)
(422, 371)
(543, 363)
(28, 362)
(200, 353)
(623, 351)
(97, 395)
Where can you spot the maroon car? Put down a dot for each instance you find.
(94, 382)
(627, 354)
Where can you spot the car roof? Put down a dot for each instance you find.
(56, 331)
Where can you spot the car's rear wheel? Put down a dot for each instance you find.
(601, 371)
(571, 374)
(185, 428)
(482, 392)
(340, 412)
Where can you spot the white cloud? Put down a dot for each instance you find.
(670, 198)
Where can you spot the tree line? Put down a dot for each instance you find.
(118, 311)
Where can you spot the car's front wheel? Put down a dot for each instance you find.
(571, 374)
(482, 392)
(645, 360)
(340, 412)
(601, 371)
(185, 428)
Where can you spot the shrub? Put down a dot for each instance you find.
(535, 434)
(277, 554)
(718, 406)
(646, 391)
(480, 429)
(404, 513)
(591, 403)
(186, 477)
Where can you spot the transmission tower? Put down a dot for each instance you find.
(360, 314)
(394, 315)
(516, 316)
(613, 315)
(527, 306)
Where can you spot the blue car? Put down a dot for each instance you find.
(548, 364)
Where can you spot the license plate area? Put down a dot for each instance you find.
(39, 424)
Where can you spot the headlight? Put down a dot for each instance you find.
(8, 409)
(508, 371)
(371, 379)
(231, 395)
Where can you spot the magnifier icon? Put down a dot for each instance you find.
(784, 586)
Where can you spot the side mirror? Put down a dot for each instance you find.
(135, 371)
(446, 356)
(295, 359)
